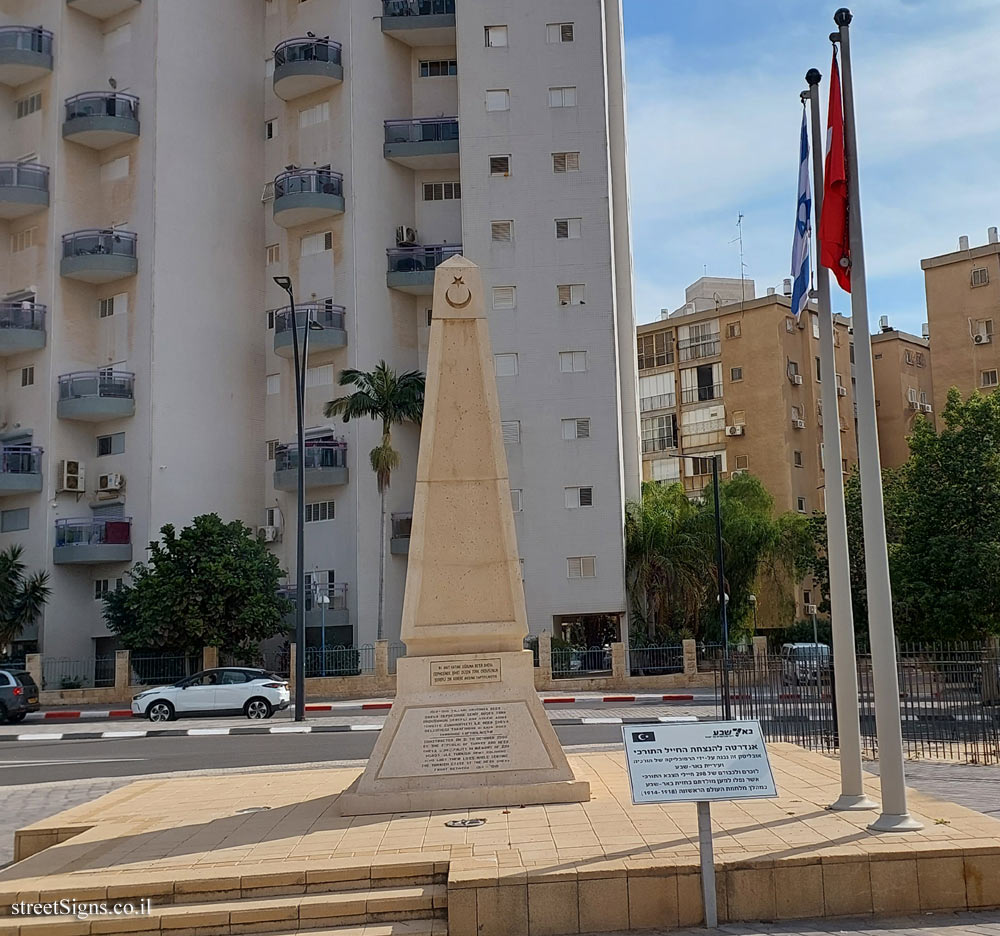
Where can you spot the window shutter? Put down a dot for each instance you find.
(501, 231)
(589, 566)
(515, 500)
(503, 297)
(586, 497)
(500, 165)
(558, 162)
(562, 228)
(511, 430)
(566, 32)
(565, 294)
(583, 428)
(574, 567)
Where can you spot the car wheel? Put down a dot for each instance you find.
(258, 709)
(160, 711)
(19, 717)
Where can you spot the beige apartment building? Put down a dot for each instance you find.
(164, 159)
(741, 378)
(963, 306)
(904, 387)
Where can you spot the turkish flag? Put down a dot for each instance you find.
(834, 232)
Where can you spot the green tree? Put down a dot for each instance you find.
(392, 399)
(214, 584)
(22, 596)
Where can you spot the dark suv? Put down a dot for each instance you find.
(18, 695)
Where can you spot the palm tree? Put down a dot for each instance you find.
(393, 399)
(21, 597)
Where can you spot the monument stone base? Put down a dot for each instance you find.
(466, 730)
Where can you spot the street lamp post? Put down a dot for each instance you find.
(285, 283)
(322, 601)
(753, 604)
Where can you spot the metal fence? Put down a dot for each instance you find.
(66, 673)
(949, 700)
(573, 663)
(340, 661)
(656, 661)
(396, 650)
(104, 671)
(155, 669)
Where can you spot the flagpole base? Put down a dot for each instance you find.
(890, 823)
(853, 802)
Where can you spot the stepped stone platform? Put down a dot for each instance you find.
(212, 862)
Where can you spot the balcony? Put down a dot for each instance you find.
(327, 331)
(664, 443)
(99, 256)
(25, 54)
(102, 9)
(658, 401)
(420, 22)
(319, 613)
(22, 327)
(325, 465)
(100, 119)
(399, 545)
(304, 65)
(702, 394)
(96, 396)
(24, 189)
(691, 349)
(411, 269)
(20, 469)
(422, 143)
(93, 541)
(304, 195)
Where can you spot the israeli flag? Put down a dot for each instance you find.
(803, 229)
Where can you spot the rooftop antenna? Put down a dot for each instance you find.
(739, 239)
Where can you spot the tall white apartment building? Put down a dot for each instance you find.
(166, 158)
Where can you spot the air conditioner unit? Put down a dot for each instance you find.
(982, 338)
(269, 534)
(914, 404)
(926, 407)
(406, 236)
(110, 482)
(841, 391)
(797, 380)
(71, 476)
(736, 472)
(810, 608)
(798, 423)
(734, 430)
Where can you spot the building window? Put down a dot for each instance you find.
(439, 68)
(103, 586)
(442, 191)
(562, 97)
(272, 516)
(112, 305)
(733, 330)
(498, 99)
(321, 376)
(814, 321)
(792, 369)
(789, 324)
(572, 362)
(984, 328)
(797, 459)
(496, 37)
(113, 444)
(742, 462)
(28, 375)
(570, 294)
(505, 365)
(559, 32)
(504, 297)
(272, 450)
(565, 162)
(739, 417)
(272, 253)
(796, 412)
(315, 243)
(701, 466)
(269, 129)
(989, 378)
(22, 240)
(430, 317)
(800, 504)
(516, 499)
(920, 359)
(576, 428)
(268, 67)
(579, 497)
(318, 113)
(500, 165)
(511, 431)
(659, 433)
(655, 350)
(980, 277)
(270, 318)
(735, 374)
(568, 228)
(819, 372)
(13, 520)
(273, 384)
(581, 567)
(908, 356)
(28, 105)
(319, 511)
(501, 232)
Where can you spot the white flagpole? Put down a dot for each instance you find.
(845, 673)
(895, 816)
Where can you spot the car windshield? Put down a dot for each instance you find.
(812, 651)
(25, 680)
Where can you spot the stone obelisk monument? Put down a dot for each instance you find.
(466, 728)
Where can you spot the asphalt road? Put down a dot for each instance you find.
(42, 761)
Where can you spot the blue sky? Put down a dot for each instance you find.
(714, 118)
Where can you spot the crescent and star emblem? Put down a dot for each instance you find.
(458, 303)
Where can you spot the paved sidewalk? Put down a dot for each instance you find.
(985, 923)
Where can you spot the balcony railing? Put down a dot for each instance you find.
(417, 7)
(306, 50)
(24, 175)
(102, 104)
(119, 385)
(23, 315)
(701, 347)
(415, 259)
(94, 531)
(26, 39)
(323, 312)
(658, 401)
(308, 181)
(401, 524)
(105, 242)
(421, 130)
(318, 455)
(658, 444)
(702, 394)
(20, 460)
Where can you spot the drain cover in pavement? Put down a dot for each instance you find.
(464, 823)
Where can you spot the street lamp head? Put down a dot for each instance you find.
(813, 77)
(843, 17)
(285, 282)
(752, 599)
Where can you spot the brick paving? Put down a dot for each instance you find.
(985, 923)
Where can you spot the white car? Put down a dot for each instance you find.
(224, 691)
